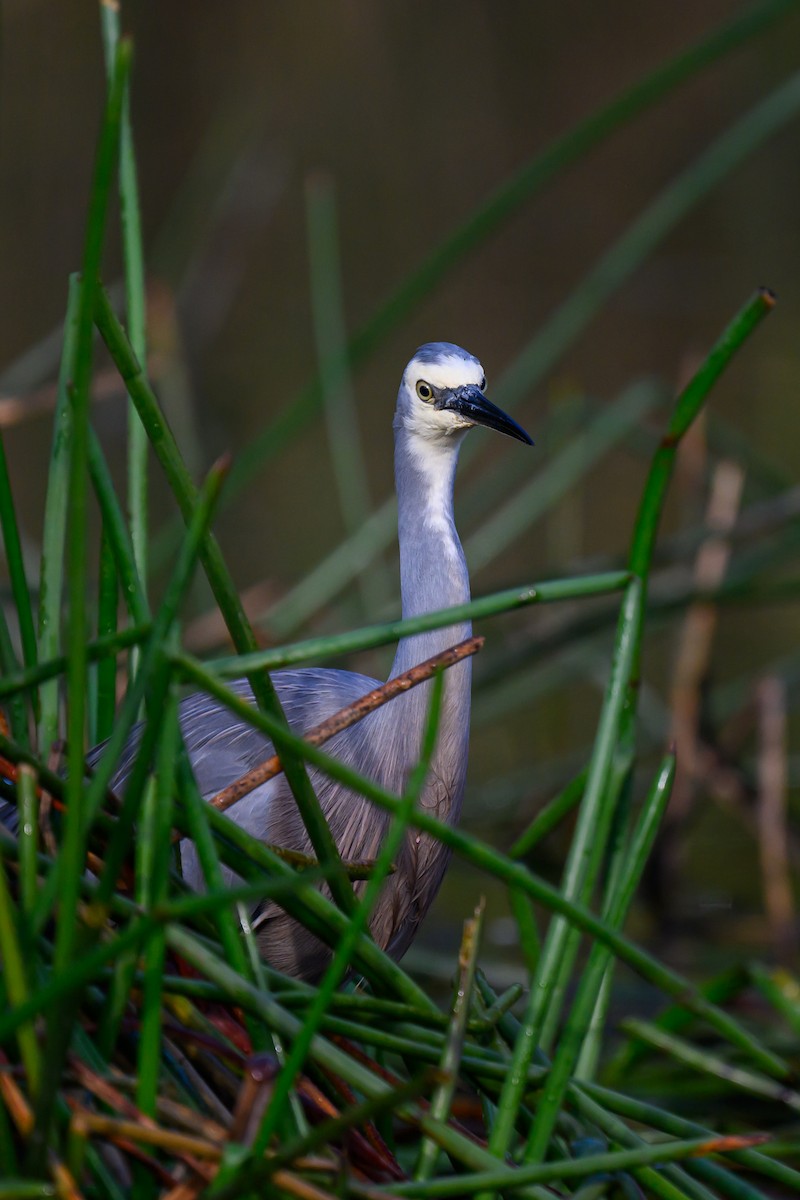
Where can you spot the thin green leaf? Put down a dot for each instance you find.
(549, 592)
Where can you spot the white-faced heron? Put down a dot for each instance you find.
(441, 397)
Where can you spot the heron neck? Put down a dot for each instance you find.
(433, 570)
(433, 575)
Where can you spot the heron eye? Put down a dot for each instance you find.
(482, 384)
(424, 391)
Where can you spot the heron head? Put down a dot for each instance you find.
(442, 396)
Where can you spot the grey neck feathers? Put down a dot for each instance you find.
(433, 575)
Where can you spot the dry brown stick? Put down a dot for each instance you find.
(116, 1129)
(351, 714)
(185, 1147)
(122, 1104)
(253, 1097)
(771, 812)
(697, 635)
(16, 409)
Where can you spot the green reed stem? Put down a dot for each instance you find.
(530, 942)
(22, 602)
(723, 1182)
(9, 665)
(133, 256)
(116, 530)
(601, 852)
(441, 1100)
(156, 830)
(16, 568)
(710, 1063)
(781, 989)
(78, 391)
(155, 673)
(665, 1180)
(720, 990)
(587, 1099)
(27, 836)
(51, 577)
(578, 1024)
(15, 977)
(26, 1189)
(550, 816)
(548, 592)
(106, 628)
(71, 860)
(336, 385)
(151, 683)
(105, 647)
(645, 1113)
(197, 820)
(508, 1178)
(579, 876)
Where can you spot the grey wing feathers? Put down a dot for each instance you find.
(222, 747)
(9, 816)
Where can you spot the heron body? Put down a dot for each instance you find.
(439, 400)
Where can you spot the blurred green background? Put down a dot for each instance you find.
(414, 113)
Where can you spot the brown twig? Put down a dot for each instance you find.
(771, 812)
(180, 1145)
(351, 714)
(697, 635)
(187, 1148)
(24, 406)
(253, 1097)
(104, 1089)
(366, 1147)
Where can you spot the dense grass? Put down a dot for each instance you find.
(147, 1048)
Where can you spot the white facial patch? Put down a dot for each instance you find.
(424, 418)
(450, 371)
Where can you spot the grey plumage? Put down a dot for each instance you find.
(439, 400)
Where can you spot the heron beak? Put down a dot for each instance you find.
(470, 403)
